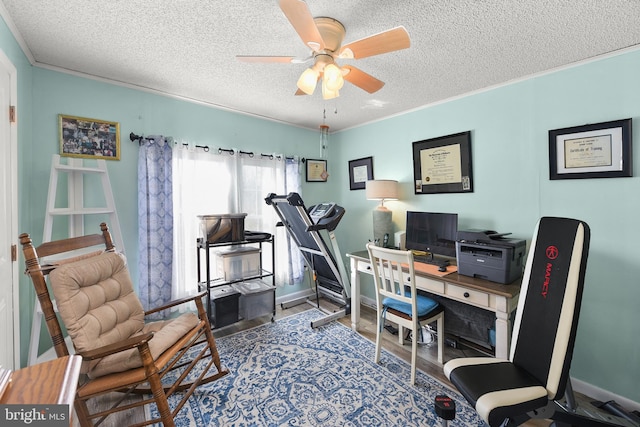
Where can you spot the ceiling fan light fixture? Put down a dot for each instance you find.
(333, 78)
(307, 81)
(327, 93)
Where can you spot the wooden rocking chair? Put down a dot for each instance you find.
(105, 320)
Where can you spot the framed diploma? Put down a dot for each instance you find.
(360, 171)
(601, 150)
(443, 164)
(317, 170)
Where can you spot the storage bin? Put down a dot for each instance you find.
(238, 263)
(257, 298)
(225, 302)
(222, 228)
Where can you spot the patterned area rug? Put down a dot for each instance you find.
(289, 374)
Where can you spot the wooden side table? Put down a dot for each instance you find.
(52, 382)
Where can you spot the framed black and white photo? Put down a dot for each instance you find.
(360, 171)
(443, 164)
(601, 150)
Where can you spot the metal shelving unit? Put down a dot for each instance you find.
(208, 281)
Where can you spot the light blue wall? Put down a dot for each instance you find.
(141, 113)
(43, 94)
(509, 130)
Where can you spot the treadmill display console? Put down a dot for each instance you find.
(321, 210)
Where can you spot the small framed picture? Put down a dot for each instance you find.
(601, 150)
(360, 171)
(89, 138)
(317, 170)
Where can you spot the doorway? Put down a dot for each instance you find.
(9, 314)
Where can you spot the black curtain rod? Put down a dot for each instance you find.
(133, 137)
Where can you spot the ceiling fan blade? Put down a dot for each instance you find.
(361, 79)
(251, 58)
(299, 92)
(298, 14)
(384, 42)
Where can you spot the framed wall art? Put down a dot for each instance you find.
(443, 164)
(360, 171)
(317, 170)
(601, 150)
(89, 138)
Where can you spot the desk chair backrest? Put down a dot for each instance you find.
(388, 276)
(549, 306)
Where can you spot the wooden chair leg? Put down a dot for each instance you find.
(440, 326)
(414, 353)
(210, 338)
(379, 326)
(155, 384)
(82, 412)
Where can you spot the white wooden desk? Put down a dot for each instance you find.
(495, 297)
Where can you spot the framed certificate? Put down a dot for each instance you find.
(443, 164)
(360, 171)
(601, 150)
(317, 170)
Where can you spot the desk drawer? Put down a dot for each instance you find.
(365, 267)
(429, 285)
(468, 296)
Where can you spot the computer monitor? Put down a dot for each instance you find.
(432, 232)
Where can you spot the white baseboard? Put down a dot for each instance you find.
(603, 395)
(294, 296)
(585, 388)
(369, 302)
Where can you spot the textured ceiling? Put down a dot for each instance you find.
(187, 48)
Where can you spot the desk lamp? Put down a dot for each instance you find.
(382, 189)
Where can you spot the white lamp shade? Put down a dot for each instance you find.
(381, 189)
(307, 81)
(333, 78)
(327, 93)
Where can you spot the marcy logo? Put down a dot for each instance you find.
(552, 253)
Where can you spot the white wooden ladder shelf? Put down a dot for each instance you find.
(77, 175)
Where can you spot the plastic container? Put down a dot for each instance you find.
(257, 298)
(238, 263)
(222, 228)
(225, 301)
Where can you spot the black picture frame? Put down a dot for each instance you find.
(360, 171)
(443, 164)
(600, 150)
(316, 170)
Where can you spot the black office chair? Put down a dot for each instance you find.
(509, 392)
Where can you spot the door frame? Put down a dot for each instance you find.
(6, 63)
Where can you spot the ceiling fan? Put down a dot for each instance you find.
(324, 36)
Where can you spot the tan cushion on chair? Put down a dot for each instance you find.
(99, 307)
(166, 333)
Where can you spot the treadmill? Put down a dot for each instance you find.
(305, 225)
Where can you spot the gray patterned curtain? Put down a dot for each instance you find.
(155, 221)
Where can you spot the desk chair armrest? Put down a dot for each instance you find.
(133, 342)
(176, 302)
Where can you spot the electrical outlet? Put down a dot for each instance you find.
(451, 342)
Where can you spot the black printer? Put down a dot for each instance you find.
(489, 255)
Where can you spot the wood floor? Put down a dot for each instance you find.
(427, 360)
